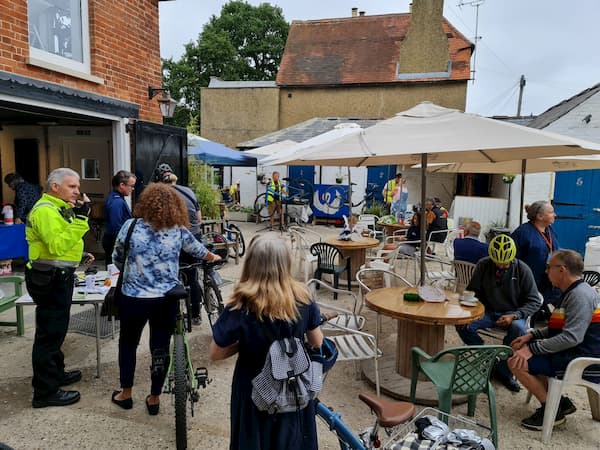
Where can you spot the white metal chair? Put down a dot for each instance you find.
(301, 249)
(463, 271)
(352, 344)
(384, 259)
(574, 374)
(370, 221)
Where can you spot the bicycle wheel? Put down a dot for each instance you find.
(213, 301)
(241, 243)
(260, 206)
(304, 189)
(333, 198)
(180, 391)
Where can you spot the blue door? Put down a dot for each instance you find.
(377, 176)
(577, 207)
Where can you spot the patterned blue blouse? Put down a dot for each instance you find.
(153, 258)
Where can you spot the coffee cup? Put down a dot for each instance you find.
(468, 296)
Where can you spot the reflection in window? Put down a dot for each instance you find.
(55, 26)
(90, 168)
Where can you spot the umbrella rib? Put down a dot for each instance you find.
(487, 157)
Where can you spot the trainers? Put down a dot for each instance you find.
(196, 320)
(566, 406)
(509, 382)
(536, 420)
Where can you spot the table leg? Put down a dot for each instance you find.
(430, 338)
(357, 259)
(97, 313)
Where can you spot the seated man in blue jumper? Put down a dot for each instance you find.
(506, 288)
(470, 249)
(573, 331)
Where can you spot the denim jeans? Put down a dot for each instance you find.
(469, 336)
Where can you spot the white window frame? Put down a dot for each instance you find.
(58, 63)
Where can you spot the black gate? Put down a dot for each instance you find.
(154, 144)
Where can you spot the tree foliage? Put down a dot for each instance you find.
(244, 43)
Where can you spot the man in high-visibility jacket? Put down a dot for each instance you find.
(389, 190)
(55, 228)
(274, 195)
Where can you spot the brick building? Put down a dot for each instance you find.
(74, 91)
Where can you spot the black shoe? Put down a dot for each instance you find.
(197, 320)
(152, 409)
(59, 398)
(509, 383)
(536, 421)
(566, 406)
(70, 377)
(126, 403)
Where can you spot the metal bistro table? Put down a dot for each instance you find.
(420, 324)
(78, 299)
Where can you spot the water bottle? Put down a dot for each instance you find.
(7, 211)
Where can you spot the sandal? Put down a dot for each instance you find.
(152, 409)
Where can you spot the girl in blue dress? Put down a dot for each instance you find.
(267, 304)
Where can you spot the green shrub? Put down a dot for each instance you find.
(199, 175)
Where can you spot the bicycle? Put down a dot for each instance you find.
(182, 381)
(300, 192)
(388, 415)
(235, 238)
(335, 196)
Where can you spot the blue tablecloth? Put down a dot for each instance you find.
(12, 242)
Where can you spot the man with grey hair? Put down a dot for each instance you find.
(55, 228)
(470, 249)
(573, 331)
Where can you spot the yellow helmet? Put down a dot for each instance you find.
(502, 249)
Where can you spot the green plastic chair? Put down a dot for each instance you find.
(463, 371)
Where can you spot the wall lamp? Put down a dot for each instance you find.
(166, 103)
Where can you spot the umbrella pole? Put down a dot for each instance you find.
(523, 170)
(423, 222)
(350, 194)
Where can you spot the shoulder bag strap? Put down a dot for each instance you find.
(125, 253)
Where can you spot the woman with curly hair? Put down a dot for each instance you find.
(268, 304)
(159, 234)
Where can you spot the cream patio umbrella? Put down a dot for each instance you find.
(432, 133)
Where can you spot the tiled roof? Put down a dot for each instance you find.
(557, 111)
(358, 50)
(304, 130)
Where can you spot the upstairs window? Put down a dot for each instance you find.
(59, 33)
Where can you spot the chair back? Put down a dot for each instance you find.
(473, 366)
(328, 256)
(463, 271)
(449, 243)
(591, 277)
(371, 278)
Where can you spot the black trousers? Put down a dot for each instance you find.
(51, 325)
(191, 276)
(135, 313)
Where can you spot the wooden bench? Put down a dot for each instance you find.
(8, 302)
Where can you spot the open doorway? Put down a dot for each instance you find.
(27, 160)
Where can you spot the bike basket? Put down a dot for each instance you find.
(459, 432)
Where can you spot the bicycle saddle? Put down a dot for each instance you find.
(389, 414)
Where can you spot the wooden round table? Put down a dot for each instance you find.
(391, 227)
(356, 250)
(420, 324)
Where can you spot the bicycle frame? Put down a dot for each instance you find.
(345, 436)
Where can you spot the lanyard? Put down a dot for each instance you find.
(547, 239)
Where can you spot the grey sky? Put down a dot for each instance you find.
(554, 43)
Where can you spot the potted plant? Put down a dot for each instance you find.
(339, 178)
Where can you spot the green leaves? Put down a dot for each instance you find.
(244, 43)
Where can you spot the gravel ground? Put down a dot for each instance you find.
(95, 423)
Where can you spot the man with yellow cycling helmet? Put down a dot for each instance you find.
(506, 288)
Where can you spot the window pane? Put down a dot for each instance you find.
(55, 27)
(90, 169)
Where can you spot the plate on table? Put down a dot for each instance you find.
(431, 294)
(473, 302)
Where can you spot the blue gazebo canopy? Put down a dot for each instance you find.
(215, 154)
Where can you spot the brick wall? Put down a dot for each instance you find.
(124, 50)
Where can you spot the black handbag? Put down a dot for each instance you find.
(110, 306)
